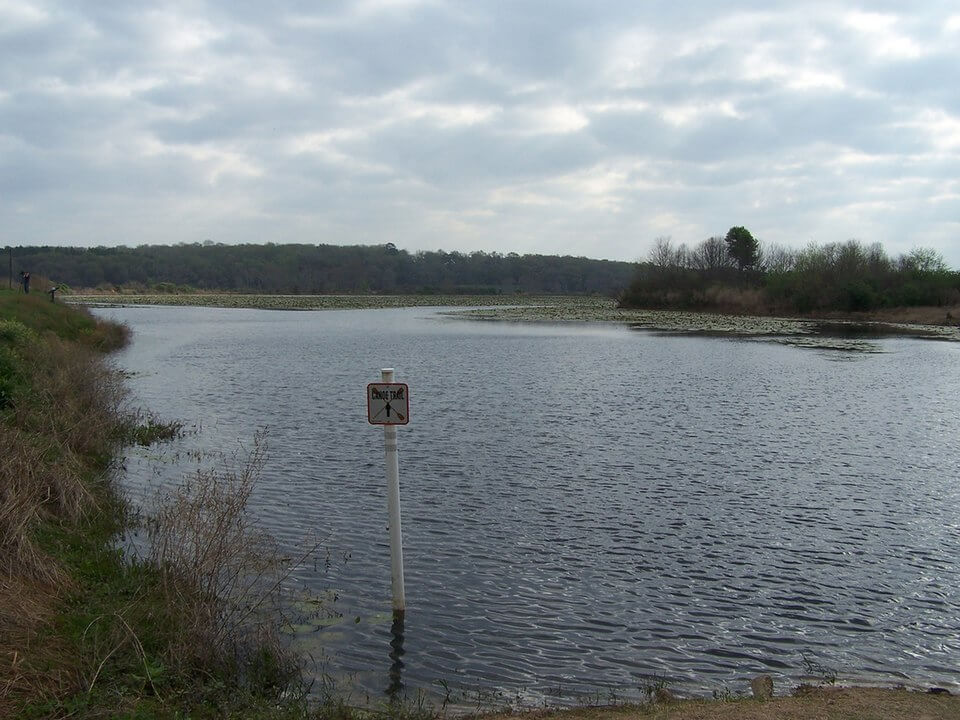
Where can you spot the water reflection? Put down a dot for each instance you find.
(395, 689)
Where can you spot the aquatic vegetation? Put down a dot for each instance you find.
(564, 309)
(593, 309)
(320, 302)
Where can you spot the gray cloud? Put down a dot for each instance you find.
(570, 128)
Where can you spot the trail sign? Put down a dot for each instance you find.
(388, 404)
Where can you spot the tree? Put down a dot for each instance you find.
(923, 260)
(665, 255)
(711, 254)
(778, 259)
(742, 247)
(662, 253)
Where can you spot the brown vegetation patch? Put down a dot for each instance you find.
(921, 315)
(54, 432)
(218, 569)
(737, 301)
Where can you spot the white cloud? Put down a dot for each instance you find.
(178, 34)
(404, 105)
(550, 120)
(882, 35)
(940, 128)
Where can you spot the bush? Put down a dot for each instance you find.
(223, 575)
(859, 296)
(848, 276)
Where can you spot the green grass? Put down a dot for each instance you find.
(115, 629)
(148, 430)
(36, 312)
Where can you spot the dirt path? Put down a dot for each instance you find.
(822, 704)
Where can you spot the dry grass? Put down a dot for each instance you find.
(56, 429)
(223, 574)
(737, 301)
(51, 437)
(753, 301)
(918, 315)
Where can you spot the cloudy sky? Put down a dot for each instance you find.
(559, 126)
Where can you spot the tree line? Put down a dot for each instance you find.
(319, 269)
(736, 272)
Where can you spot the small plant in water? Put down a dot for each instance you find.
(725, 694)
(146, 430)
(651, 684)
(824, 674)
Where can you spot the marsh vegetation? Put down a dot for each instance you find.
(735, 276)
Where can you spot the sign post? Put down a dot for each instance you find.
(388, 404)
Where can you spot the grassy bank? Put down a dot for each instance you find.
(85, 630)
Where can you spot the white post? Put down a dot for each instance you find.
(393, 508)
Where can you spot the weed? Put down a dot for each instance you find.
(651, 684)
(145, 429)
(224, 576)
(824, 674)
(725, 694)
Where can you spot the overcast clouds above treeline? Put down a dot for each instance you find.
(552, 127)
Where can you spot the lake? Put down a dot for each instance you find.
(586, 507)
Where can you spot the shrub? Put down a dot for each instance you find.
(224, 576)
(859, 296)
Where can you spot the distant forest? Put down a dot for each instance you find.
(319, 269)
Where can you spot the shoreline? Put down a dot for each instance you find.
(822, 703)
(934, 322)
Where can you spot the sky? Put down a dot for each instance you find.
(558, 127)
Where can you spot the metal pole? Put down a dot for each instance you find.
(393, 508)
(10, 259)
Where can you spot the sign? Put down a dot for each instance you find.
(388, 404)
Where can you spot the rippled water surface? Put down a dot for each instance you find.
(587, 506)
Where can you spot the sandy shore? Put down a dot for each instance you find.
(818, 704)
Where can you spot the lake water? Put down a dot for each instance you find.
(587, 506)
